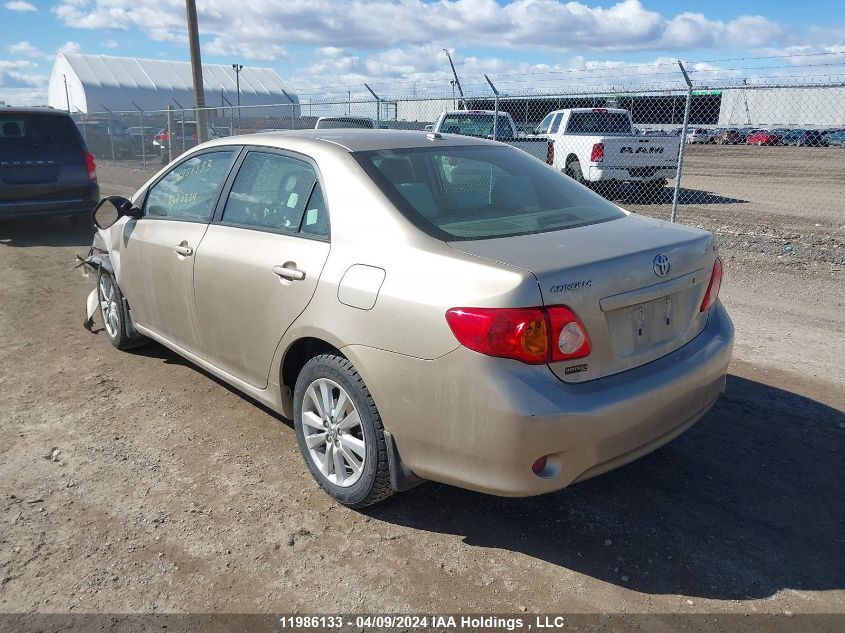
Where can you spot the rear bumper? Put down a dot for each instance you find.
(46, 208)
(634, 174)
(480, 423)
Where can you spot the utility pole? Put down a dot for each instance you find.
(455, 74)
(196, 69)
(238, 68)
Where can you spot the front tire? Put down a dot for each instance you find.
(113, 312)
(339, 432)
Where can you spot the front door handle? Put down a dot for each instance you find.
(184, 250)
(294, 274)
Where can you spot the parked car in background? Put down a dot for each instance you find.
(730, 136)
(344, 122)
(790, 136)
(504, 329)
(597, 146)
(700, 136)
(45, 166)
(184, 137)
(108, 140)
(835, 138)
(143, 137)
(813, 138)
(763, 137)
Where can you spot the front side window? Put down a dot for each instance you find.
(543, 128)
(278, 193)
(189, 191)
(480, 192)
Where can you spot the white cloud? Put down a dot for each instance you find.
(257, 29)
(69, 47)
(109, 44)
(18, 6)
(26, 49)
(222, 48)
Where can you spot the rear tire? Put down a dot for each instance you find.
(339, 432)
(573, 170)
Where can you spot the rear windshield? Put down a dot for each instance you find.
(328, 124)
(598, 122)
(480, 192)
(32, 130)
(480, 125)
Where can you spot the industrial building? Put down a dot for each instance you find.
(100, 83)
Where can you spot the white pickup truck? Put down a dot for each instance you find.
(592, 145)
(599, 145)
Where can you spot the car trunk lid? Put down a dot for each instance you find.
(610, 275)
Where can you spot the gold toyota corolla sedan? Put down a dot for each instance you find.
(424, 306)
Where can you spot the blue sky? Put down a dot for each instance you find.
(315, 44)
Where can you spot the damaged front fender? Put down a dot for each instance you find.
(96, 259)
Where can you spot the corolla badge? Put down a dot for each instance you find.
(662, 265)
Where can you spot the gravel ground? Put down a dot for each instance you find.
(135, 482)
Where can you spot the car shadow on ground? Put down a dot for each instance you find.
(746, 503)
(58, 231)
(631, 195)
(169, 357)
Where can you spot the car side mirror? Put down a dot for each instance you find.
(110, 209)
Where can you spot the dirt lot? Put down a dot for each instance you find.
(135, 482)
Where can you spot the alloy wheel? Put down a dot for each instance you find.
(333, 433)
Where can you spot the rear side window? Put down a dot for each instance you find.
(344, 123)
(598, 122)
(481, 192)
(188, 192)
(556, 124)
(480, 125)
(278, 193)
(25, 130)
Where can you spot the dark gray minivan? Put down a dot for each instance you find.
(45, 166)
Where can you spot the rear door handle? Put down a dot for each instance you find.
(294, 274)
(186, 251)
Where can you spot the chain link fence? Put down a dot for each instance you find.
(759, 163)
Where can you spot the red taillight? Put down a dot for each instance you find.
(530, 335)
(550, 153)
(163, 136)
(568, 337)
(713, 287)
(92, 167)
(597, 155)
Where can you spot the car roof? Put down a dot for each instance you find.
(352, 139)
(32, 110)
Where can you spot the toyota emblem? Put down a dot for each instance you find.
(662, 265)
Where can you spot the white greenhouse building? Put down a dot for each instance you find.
(99, 83)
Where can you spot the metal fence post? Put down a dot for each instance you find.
(170, 126)
(111, 135)
(183, 130)
(680, 166)
(143, 137)
(495, 109)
